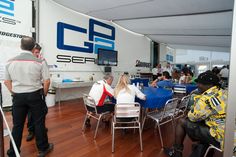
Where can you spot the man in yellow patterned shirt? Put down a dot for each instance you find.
(206, 119)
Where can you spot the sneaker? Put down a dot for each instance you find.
(30, 136)
(171, 152)
(45, 152)
(87, 123)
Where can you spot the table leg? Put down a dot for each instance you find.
(59, 97)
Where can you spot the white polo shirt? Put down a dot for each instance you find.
(26, 72)
(99, 91)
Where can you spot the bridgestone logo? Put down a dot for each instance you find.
(11, 34)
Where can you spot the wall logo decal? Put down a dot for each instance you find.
(99, 35)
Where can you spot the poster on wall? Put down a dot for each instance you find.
(15, 21)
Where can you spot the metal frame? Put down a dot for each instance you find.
(163, 116)
(127, 110)
(89, 101)
(211, 147)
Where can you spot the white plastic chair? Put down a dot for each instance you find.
(163, 116)
(89, 102)
(129, 114)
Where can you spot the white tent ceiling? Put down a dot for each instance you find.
(178, 23)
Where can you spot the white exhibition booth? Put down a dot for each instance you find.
(71, 32)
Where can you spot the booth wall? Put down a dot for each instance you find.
(15, 21)
(130, 47)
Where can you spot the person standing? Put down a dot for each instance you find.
(30, 125)
(168, 68)
(23, 78)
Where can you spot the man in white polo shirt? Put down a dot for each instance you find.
(99, 92)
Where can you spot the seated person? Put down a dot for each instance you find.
(175, 75)
(182, 78)
(206, 119)
(165, 82)
(188, 77)
(99, 92)
(125, 93)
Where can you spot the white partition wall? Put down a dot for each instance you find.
(70, 41)
(231, 108)
(15, 21)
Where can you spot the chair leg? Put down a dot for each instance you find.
(208, 149)
(173, 123)
(113, 138)
(140, 135)
(84, 121)
(97, 126)
(134, 128)
(159, 129)
(143, 122)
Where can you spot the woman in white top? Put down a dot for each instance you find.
(125, 93)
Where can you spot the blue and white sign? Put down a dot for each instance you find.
(7, 7)
(99, 35)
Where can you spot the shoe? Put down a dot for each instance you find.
(30, 136)
(45, 152)
(87, 123)
(171, 152)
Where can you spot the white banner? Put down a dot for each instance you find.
(15, 21)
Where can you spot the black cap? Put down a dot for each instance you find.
(208, 78)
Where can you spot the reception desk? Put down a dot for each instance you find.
(69, 85)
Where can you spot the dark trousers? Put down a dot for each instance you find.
(30, 124)
(102, 109)
(199, 131)
(22, 103)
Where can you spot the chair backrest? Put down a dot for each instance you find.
(89, 102)
(127, 110)
(180, 89)
(184, 101)
(170, 108)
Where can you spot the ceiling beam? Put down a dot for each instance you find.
(174, 15)
(197, 35)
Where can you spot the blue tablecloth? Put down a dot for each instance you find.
(189, 87)
(155, 97)
(140, 80)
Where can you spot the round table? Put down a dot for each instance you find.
(155, 97)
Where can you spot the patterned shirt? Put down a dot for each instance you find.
(210, 107)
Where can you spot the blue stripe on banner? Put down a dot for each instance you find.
(97, 46)
(9, 6)
(6, 13)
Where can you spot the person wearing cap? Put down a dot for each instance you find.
(206, 119)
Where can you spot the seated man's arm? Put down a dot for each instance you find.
(200, 110)
(108, 90)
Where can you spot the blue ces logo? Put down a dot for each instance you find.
(7, 7)
(96, 39)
